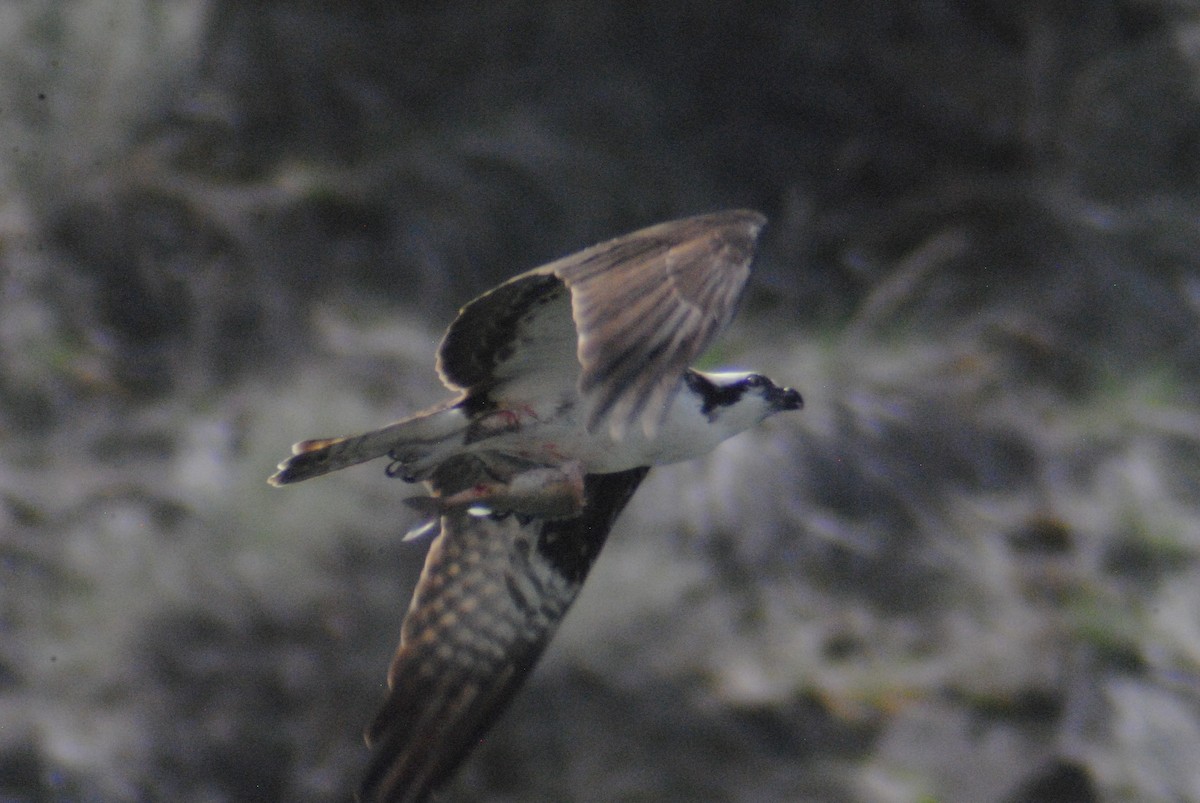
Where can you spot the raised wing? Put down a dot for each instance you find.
(641, 308)
(647, 304)
(492, 593)
(521, 332)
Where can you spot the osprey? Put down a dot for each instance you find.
(579, 367)
(571, 379)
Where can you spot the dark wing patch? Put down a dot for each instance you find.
(492, 593)
(649, 303)
(521, 327)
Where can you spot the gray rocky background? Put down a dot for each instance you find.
(967, 571)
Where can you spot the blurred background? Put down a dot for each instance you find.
(968, 570)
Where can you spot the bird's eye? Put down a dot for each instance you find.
(756, 380)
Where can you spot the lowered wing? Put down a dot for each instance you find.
(491, 595)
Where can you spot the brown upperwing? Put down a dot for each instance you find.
(643, 307)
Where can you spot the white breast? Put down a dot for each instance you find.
(554, 436)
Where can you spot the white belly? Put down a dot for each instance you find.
(684, 434)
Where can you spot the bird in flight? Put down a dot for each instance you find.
(572, 379)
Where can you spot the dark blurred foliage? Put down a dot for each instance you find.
(423, 151)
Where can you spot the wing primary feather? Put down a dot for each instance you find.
(631, 342)
(641, 380)
(623, 387)
(624, 293)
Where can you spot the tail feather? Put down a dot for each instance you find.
(313, 458)
(419, 435)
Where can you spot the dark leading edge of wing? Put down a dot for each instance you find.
(491, 595)
(642, 308)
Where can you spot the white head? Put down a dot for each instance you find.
(738, 400)
(709, 409)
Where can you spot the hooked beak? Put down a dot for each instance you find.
(782, 399)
